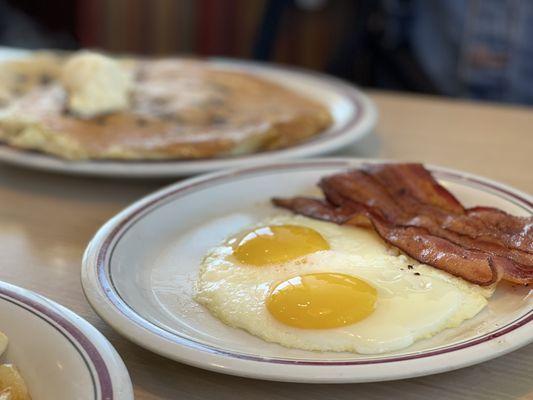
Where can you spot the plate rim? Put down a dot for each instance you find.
(94, 270)
(360, 123)
(109, 375)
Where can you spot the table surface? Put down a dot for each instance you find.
(46, 221)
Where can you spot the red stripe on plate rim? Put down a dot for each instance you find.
(104, 389)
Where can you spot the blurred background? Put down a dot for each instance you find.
(478, 49)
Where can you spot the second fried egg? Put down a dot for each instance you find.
(314, 285)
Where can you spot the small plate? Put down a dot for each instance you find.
(354, 116)
(139, 270)
(59, 354)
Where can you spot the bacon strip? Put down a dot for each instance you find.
(416, 182)
(349, 187)
(515, 231)
(409, 209)
(413, 188)
(473, 266)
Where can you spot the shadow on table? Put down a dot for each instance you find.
(155, 377)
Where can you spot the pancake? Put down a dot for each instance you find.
(178, 109)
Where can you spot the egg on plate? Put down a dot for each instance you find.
(314, 285)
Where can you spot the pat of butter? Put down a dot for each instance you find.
(96, 84)
(3, 343)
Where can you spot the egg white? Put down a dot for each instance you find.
(409, 307)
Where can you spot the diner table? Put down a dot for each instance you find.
(46, 221)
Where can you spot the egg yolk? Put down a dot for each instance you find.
(321, 301)
(277, 244)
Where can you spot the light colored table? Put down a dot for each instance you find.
(46, 221)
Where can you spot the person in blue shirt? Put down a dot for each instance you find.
(471, 48)
(479, 49)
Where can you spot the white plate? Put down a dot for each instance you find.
(139, 269)
(354, 115)
(59, 355)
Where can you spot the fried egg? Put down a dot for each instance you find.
(314, 285)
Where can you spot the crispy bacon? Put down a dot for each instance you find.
(409, 209)
(516, 232)
(413, 181)
(344, 188)
(413, 187)
(474, 266)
